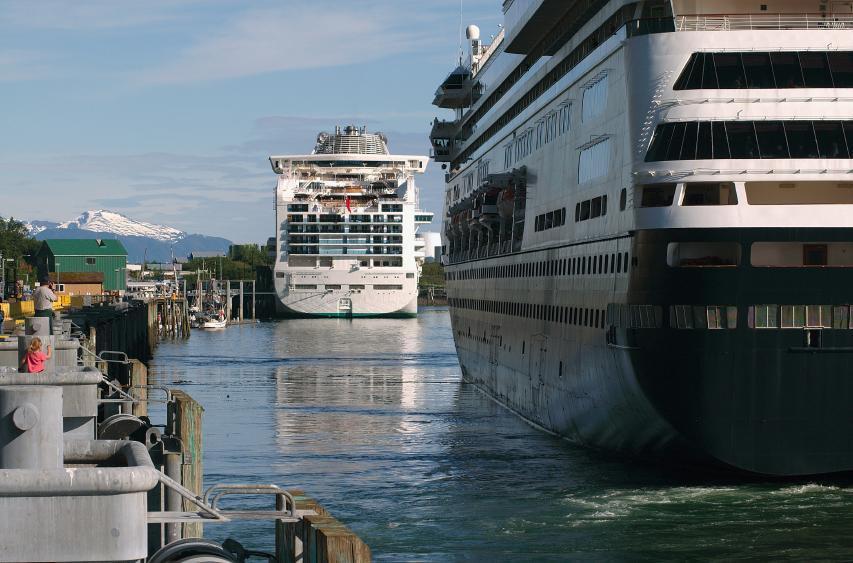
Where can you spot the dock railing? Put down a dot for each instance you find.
(736, 22)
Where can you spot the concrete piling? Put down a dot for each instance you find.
(30, 427)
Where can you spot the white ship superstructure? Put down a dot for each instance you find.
(347, 219)
(648, 225)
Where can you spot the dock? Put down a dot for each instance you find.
(86, 475)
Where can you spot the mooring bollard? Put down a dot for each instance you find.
(31, 427)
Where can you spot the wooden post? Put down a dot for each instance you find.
(139, 376)
(184, 419)
(317, 537)
(228, 300)
(241, 301)
(253, 299)
(326, 539)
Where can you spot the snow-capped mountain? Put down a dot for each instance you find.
(143, 241)
(103, 221)
(35, 227)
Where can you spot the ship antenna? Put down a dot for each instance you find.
(461, 49)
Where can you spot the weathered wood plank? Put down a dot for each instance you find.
(184, 418)
(139, 376)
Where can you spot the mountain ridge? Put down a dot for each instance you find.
(142, 240)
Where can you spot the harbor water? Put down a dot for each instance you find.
(371, 417)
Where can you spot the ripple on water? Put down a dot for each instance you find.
(371, 417)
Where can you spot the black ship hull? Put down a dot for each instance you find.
(761, 399)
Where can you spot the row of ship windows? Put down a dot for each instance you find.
(351, 287)
(616, 263)
(545, 221)
(682, 317)
(578, 316)
(804, 69)
(716, 140)
(303, 207)
(335, 218)
(584, 210)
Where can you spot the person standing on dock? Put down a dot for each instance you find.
(44, 298)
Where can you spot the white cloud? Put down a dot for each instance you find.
(295, 36)
(88, 14)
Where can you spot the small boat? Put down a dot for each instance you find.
(213, 323)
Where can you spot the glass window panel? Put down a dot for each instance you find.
(800, 316)
(772, 316)
(841, 65)
(825, 316)
(704, 150)
(674, 151)
(848, 132)
(729, 70)
(585, 210)
(840, 317)
(830, 139)
(714, 318)
(787, 316)
(731, 317)
(816, 70)
(742, 139)
(759, 72)
(660, 142)
(691, 77)
(720, 140)
(786, 68)
(709, 75)
(700, 319)
(813, 316)
(688, 148)
(801, 139)
(596, 207)
(771, 139)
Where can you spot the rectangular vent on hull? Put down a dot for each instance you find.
(802, 254)
(798, 193)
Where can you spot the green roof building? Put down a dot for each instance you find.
(106, 256)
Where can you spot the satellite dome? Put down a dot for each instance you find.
(472, 32)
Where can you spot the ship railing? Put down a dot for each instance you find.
(736, 22)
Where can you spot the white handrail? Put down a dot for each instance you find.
(733, 22)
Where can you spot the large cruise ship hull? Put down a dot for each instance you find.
(348, 303)
(770, 401)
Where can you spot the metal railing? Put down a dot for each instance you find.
(735, 22)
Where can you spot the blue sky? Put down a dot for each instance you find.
(167, 110)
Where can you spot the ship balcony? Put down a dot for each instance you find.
(423, 218)
(458, 95)
(317, 250)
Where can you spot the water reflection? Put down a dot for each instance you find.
(371, 417)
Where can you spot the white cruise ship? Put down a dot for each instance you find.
(648, 226)
(347, 219)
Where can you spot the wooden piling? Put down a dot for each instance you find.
(327, 540)
(184, 420)
(139, 376)
(318, 537)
